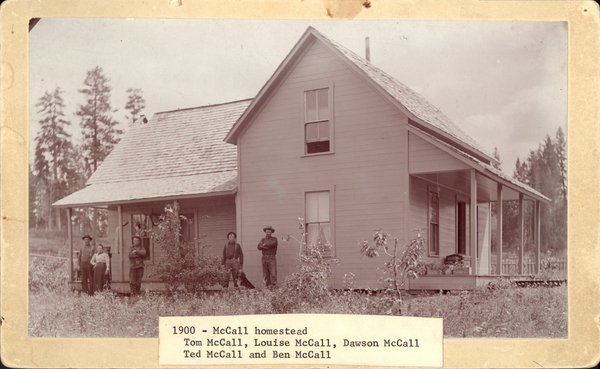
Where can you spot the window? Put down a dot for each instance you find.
(187, 233)
(318, 225)
(434, 223)
(317, 127)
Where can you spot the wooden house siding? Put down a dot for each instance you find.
(365, 172)
(426, 158)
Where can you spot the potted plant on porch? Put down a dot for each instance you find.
(434, 268)
(461, 268)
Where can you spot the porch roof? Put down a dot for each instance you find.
(105, 194)
(178, 153)
(485, 169)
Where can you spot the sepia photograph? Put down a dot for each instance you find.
(209, 167)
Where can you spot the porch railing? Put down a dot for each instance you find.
(510, 265)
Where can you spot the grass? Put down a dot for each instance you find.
(502, 311)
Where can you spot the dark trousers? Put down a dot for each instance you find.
(233, 267)
(87, 278)
(135, 280)
(269, 266)
(99, 276)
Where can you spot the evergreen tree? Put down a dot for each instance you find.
(98, 127)
(561, 151)
(32, 199)
(52, 146)
(99, 130)
(496, 154)
(135, 104)
(545, 170)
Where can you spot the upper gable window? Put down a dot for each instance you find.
(317, 124)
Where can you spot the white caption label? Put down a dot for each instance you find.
(301, 339)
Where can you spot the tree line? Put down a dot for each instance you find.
(61, 164)
(545, 170)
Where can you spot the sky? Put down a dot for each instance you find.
(503, 83)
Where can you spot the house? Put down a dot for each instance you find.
(329, 138)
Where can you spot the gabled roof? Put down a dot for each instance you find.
(421, 113)
(177, 153)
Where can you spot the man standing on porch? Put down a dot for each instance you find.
(85, 258)
(136, 265)
(268, 246)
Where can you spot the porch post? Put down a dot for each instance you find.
(70, 240)
(473, 221)
(536, 234)
(120, 246)
(499, 216)
(521, 231)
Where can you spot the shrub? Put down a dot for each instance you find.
(180, 264)
(48, 274)
(309, 286)
(408, 265)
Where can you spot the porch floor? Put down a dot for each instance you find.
(454, 282)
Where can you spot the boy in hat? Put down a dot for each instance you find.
(136, 265)
(233, 259)
(268, 246)
(85, 266)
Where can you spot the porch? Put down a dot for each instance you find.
(452, 195)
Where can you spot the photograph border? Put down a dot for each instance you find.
(579, 350)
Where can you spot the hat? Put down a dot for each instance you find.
(87, 236)
(233, 233)
(269, 227)
(138, 237)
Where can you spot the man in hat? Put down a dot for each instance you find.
(136, 265)
(233, 259)
(85, 265)
(268, 246)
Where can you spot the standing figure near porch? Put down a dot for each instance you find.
(233, 259)
(85, 258)
(136, 265)
(268, 246)
(101, 264)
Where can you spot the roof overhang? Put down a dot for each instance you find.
(482, 168)
(103, 195)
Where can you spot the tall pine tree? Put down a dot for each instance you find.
(98, 127)
(52, 147)
(134, 105)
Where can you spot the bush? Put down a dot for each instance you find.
(309, 286)
(180, 265)
(399, 268)
(48, 274)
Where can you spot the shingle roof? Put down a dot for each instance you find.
(176, 153)
(414, 102)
